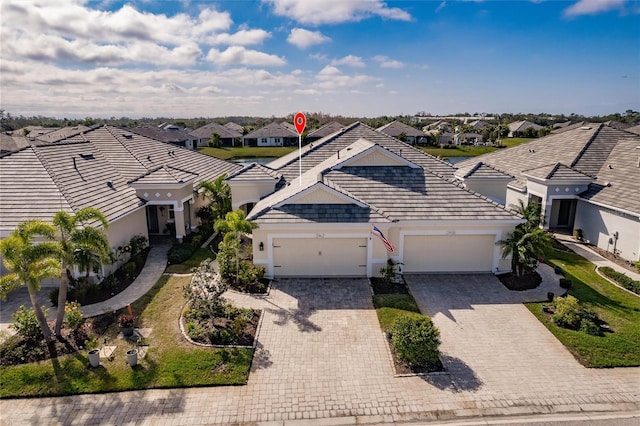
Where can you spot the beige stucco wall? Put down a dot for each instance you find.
(488, 233)
(598, 224)
(495, 190)
(249, 192)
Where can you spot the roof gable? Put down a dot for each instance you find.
(166, 175)
(319, 193)
(557, 171)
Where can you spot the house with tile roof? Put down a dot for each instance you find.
(324, 131)
(585, 178)
(273, 134)
(167, 133)
(316, 209)
(518, 128)
(142, 185)
(397, 128)
(235, 127)
(228, 136)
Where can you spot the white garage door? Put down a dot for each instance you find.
(320, 257)
(448, 253)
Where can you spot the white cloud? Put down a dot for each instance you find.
(593, 7)
(238, 55)
(441, 6)
(304, 38)
(316, 12)
(239, 38)
(386, 62)
(350, 61)
(331, 78)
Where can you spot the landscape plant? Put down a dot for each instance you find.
(29, 263)
(232, 226)
(415, 340)
(73, 233)
(26, 324)
(73, 314)
(622, 279)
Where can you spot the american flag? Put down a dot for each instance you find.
(375, 231)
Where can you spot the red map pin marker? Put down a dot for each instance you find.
(300, 121)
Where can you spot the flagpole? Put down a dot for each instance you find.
(300, 156)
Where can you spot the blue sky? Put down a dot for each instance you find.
(142, 58)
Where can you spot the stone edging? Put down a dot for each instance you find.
(205, 345)
(612, 281)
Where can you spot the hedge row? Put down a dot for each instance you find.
(621, 279)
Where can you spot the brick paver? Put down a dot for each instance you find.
(321, 355)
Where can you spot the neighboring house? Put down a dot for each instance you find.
(445, 126)
(235, 127)
(320, 223)
(397, 128)
(273, 134)
(478, 124)
(468, 139)
(167, 134)
(440, 137)
(324, 131)
(142, 185)
(518, 128)
(228, 136)
(585, 178)
(635, 130)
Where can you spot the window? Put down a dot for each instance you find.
(172, 214)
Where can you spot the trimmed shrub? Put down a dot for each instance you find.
(26, 324)
(621, 279)
(138, 243)
(179, 253)
(415, 340)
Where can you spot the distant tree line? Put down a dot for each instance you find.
(9, 122)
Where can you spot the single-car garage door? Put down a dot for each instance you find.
(320, 257)
(448, 253)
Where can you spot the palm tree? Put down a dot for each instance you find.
(72, 234)
(87, 259)
(528, 242)
(30, 263)
(235, 223)
(219, 193)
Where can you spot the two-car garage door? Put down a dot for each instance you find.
(320, 257)
(448, 253)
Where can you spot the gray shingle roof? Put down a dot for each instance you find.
(482, 171)
(254, 172)
(234, 126)
(592, 150)
(272, 130)
(395, 128)
(92, 169)
(322, 149)
(28, 191)
(163, 135)
(557, 171)
(521, 126)
(556, 148)
(403, 190)
(207, 130)
(326, 130)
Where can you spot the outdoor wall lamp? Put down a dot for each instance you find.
(261, 246)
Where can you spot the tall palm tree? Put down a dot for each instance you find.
(30, 263)
(72, 234)
(87, 259)
(219, 193)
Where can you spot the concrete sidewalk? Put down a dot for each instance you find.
(593, 257)
(151, 272)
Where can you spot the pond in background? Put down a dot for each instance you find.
(454, 160)
(259, 160)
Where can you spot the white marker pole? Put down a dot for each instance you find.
(300, 157)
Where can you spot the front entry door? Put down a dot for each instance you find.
(564, 213)
(152, 220)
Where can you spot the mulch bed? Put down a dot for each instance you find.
(222, 325)
(382, 286)
(615, 259)
(17, 350)
(258, 287)
(527, 281)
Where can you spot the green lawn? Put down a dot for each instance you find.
(472, 151)
(618, 308)
(390, 307)
(170, 361)
(247, 152)
(194, 261)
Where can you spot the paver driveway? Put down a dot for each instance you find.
(495, 347)
(321, 355)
